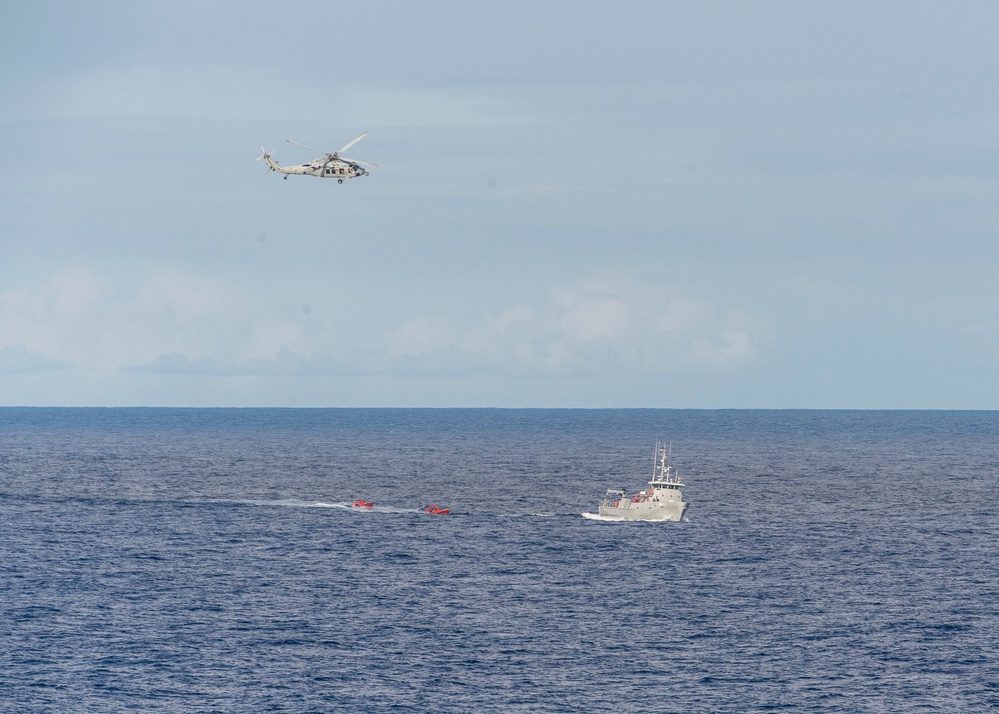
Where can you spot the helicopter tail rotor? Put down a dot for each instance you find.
(266, 157)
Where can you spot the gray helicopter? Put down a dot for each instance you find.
(329, 166)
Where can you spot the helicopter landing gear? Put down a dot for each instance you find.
(339, 180)
(286, 177)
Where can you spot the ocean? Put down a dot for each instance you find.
(208, 560)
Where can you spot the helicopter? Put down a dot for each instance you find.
(329, 166)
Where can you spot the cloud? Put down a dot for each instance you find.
(286, 363)
(604, 326)
(16, 359)
(420, 336)
(728, 348)
(594, 317)
(83, 318)
(598, 325)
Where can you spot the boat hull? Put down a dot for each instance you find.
(650, 511)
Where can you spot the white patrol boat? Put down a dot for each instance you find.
(661, 501)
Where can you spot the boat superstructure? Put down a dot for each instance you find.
(661, 501)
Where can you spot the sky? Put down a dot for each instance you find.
(776, 204)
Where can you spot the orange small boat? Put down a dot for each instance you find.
(436, 510)
(360, 503)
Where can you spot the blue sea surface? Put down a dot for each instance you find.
(207, 560)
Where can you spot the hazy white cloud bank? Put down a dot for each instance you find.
(176, 324)
(285, 363)
(593, 325)
(160, 322)
(16, 359)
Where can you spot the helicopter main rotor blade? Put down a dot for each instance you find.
(358, 161)
(363, 134)
(305, 147)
